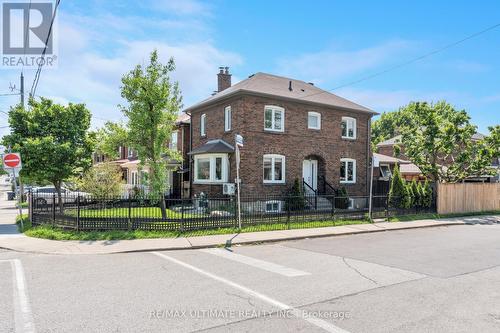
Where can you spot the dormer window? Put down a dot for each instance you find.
(348, 128)
(274, 118)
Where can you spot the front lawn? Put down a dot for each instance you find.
(123, 212)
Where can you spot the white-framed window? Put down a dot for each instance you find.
(274, 118)
(273, 206)
(274, 169)
(385, 170)
(227, 118)
(314, 120)
(120, 150)
(347, 170)
(130, 152)
(203, 125)
(211, 168)
(134, 179)
(348, 128)
(174, 137)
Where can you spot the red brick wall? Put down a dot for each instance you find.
(296, 143)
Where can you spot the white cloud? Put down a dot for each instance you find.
(181, 7)
(328, 65)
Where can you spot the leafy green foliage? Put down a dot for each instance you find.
(295, 199)
(342, 199)
(103, 180)
(387, 126)
(54, 140)
(110, 137)
(426, 191)
(398, 193)
(153, 105)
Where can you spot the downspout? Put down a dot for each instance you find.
(190, 164)
(368, 153)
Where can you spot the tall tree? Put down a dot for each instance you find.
(438, 139)
(387, 126)
(110, 137)
(53, 139)
(153, 105)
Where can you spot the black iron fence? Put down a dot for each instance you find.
(202, 213)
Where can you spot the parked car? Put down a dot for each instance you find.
(47, 194)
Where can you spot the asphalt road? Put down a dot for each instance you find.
(444, 279)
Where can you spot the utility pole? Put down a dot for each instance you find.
(22, 89)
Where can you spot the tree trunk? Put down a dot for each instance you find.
(57, 185)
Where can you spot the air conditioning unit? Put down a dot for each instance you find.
(228, 188)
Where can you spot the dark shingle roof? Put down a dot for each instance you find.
(213, 147)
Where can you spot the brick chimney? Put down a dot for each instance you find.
(223, 79)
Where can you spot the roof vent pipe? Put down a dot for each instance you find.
(290, 86)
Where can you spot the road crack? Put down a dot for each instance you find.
(357, 271)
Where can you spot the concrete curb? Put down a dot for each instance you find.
(43, 246)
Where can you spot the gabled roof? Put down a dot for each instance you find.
(183, 119)
(213, 147)
(277, 86)
(389, 159)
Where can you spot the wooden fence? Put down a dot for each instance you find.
(468, 197)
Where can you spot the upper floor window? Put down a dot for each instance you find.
(203, 125)
(274, 169)
(173, 140)
(130, 152)
(227, 118)
(274, 118)
(348, 128)
(347, 170)
(314, 120)
(211, 168)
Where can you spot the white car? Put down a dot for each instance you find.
(48, 194)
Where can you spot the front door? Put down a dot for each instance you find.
(310, 174)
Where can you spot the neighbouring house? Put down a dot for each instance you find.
(291, 129)
(383, 168)
(134, 174)
(388, 149)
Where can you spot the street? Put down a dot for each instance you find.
(442, 279)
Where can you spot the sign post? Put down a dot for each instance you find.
(239, 142)
(12, 163)
(373, 161)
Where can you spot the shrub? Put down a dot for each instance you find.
(342, 199)
(416, 194)
(295, 199)
(103, 180)
(426, 195)
(398, 194)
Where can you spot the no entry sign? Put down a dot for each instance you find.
(12, 161)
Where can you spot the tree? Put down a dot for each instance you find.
(426, 195)
(53, 139)
(103, 180)
(387, 126)
(438, 139)
(398, 193)
(153, 105)
(110, 137)
(342, 198)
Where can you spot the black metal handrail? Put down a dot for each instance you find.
(315, 201)
(326, 185)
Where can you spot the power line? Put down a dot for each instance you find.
(39, 70)
(410, 61)
(10, 94)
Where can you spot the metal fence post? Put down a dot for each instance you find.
(181, 226)
(333, 208)
(129, 220)
(78, 213)
(387, 207)
(53, 209)
(288, 211)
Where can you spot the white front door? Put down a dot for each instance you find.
(310, 174)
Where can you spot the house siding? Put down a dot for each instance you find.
(296, 143)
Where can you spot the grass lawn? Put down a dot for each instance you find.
(150, 212)
(49, 232)
(426, 216)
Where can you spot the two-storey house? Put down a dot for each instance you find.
(292, 130)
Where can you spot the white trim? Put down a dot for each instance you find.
(274, 109)
(314, 114)
(212, 161)
(273, 158)
(345, 160)
(203, 125)
(385, 165)
(273, 202)
(353, 122)
(227, 118)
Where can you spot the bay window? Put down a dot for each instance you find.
(347, 170)
(274, 169)
(211, 168)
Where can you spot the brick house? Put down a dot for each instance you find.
(292, 130)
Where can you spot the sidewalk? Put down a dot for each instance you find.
(28, 244)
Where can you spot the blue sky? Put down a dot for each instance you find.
(327, 42)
